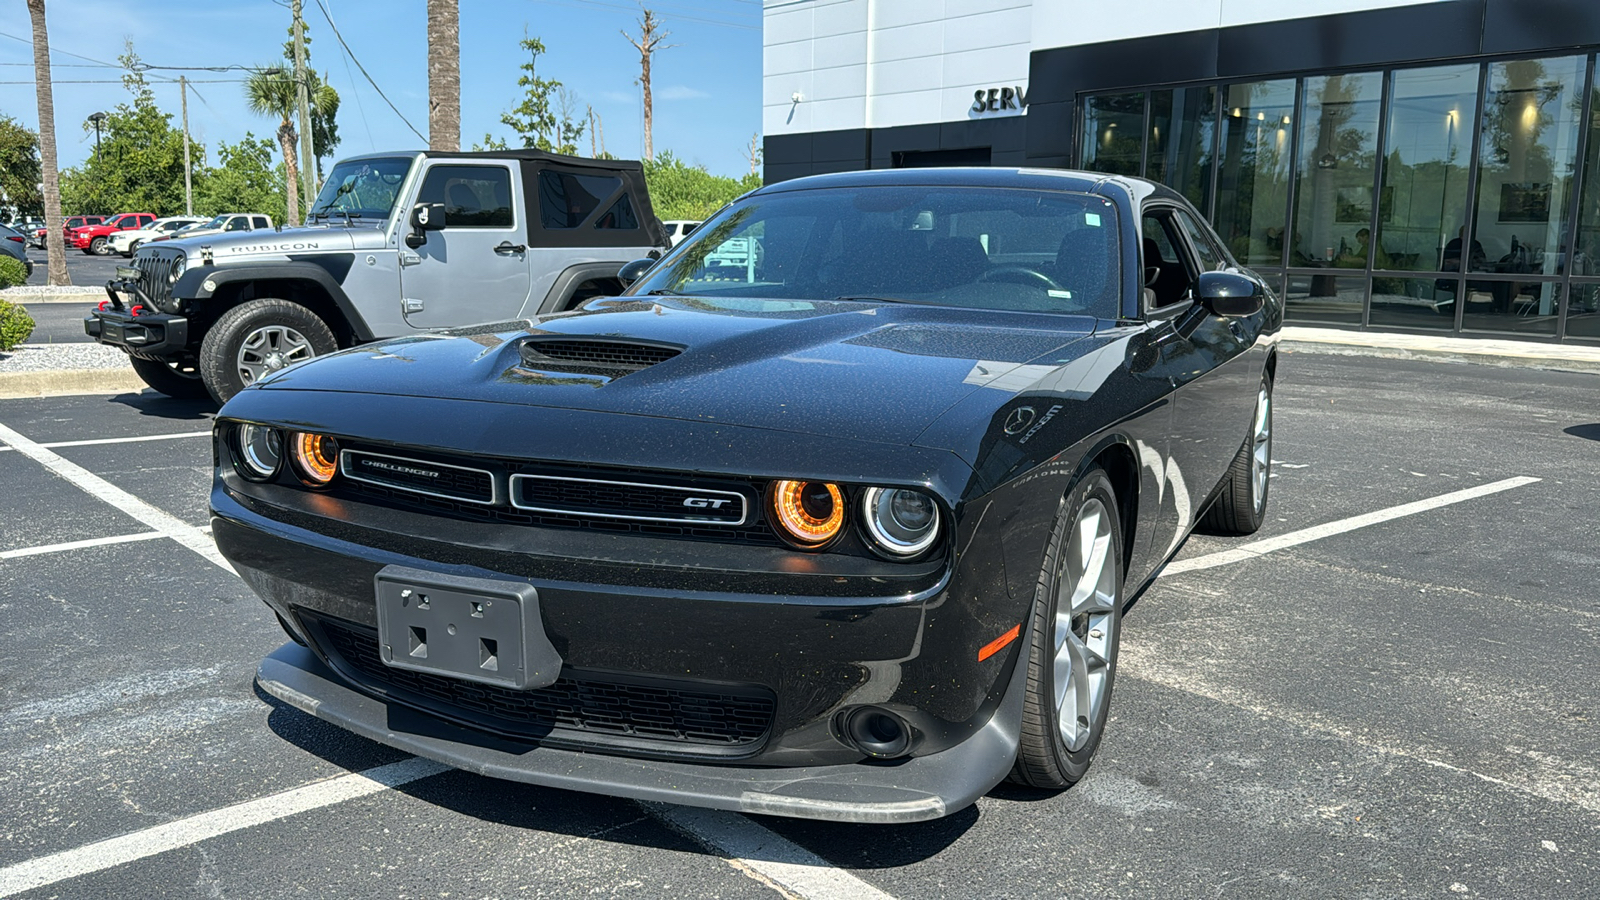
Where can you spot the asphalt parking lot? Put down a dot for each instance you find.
(1392, 690)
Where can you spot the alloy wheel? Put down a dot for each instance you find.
(1261, 451)
(268, 349)
(1084, 633)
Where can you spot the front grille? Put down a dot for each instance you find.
(155, 270)
(420, 476)
(587, 708)
(565, 495)
(629, 355)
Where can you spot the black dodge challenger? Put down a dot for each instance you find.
(833, 513)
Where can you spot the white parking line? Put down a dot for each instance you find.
(779, 859)
(106, 854)
(92, 484)
(121, 440)
(1317, 532)
(79, 545)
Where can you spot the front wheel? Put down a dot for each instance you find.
(100, 246)
(175, 379)
(1241, 504)
(1076, 630)
(257, 338)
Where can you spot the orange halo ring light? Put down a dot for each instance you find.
(316, 456)
(809, 514)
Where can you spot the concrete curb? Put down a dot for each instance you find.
(1506, 354)
(64, 382)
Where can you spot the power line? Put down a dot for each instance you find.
(354, 90)
(119, 81)
(588, 4)
(364, 73)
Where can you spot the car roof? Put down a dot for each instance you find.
(1136, 189)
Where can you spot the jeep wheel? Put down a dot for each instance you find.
(255, 339)
(180, 380)
(99, 246)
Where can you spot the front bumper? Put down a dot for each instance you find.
(151, 333)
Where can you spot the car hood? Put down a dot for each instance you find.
(862, 371)
(265, 243)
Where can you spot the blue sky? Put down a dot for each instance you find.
(707, 89)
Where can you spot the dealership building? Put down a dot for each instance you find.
(1398, 165)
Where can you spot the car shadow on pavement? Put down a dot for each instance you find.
(578, 814)
(1588, 432)
(157, 405)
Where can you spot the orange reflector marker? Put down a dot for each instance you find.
(999, 643)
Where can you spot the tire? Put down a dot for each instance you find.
(99, 247)
(256, 338)
(177, 380)
(1241, 503)
(1049, 755)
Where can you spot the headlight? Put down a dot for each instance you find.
(316, 456)
(808, 514)
(260, 452)
(178, 268)
(901, 523)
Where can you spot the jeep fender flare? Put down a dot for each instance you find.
(201, 283)
(570, 278)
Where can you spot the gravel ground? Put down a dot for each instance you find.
(26, 293)
(40, 358)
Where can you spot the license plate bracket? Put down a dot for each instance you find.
(478, 629)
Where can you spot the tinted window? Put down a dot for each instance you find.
(1166, 276)
(261, 222)
(238, 223)
(1210, 257)
(566, 200)
(620, 215)
(473, 196)
(949, 246)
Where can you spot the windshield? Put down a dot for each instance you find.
(364, 188)
(214, 223)
(987, 248)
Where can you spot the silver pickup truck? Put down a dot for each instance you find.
(395, 243)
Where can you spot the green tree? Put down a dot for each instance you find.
(245, 180)
(19, 168)
(681, 191)
(139, 166)
(272, 93)
(324, 111)
(543, 119)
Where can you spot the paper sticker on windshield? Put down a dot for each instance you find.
(1092, 219)
(1060, 295)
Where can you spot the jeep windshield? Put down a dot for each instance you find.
(975, 247)
(361, 189)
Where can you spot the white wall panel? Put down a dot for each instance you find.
(841, 16)
(893, 13)
(1068, 23)
(906, 41)
(782, 59)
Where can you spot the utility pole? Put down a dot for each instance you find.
(188, 183)
(303, 101)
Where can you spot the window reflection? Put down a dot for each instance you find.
(1523, 307)
(1325, 298)
(1113, 133)
(1183, 123)
(1415, 303)
(1422, 203)
(1333, 182)
(1253, 186)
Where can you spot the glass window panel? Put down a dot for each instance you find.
(1182, 125)
(1422, 204)
(1253, 187)
(1531, 120)
(1325, 298)
(1210, 257)
(566, 200)
(1333, 181)
(1583, 316)
(1414, 302)
(1113, 133)
(473, 196)
(1586, 258)
(1527, 307)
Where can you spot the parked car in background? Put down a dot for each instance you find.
(67, 225)
(14, 243)
(678, 229)
(125, 242)
(221, 224)
(96, 239)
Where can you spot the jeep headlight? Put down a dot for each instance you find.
(178, 268)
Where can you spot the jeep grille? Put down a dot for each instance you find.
(155, 272)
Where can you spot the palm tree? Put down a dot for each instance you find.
(444, 75)
(47, 147)
(271, 92)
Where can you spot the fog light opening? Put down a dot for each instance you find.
(878, 734)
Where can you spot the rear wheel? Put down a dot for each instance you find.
(1077, 628)
(1241, 504)
(257, 338)
(175, 379)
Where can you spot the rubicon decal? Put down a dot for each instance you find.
(275, 248)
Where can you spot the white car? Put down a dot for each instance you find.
(125, 242)
(678, 229)
(222, 223)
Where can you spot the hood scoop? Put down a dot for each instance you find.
(608, 357)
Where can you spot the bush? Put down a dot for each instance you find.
(12, 272)
(15, 325)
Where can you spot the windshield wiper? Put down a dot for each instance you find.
(871, 300)
(663, 292)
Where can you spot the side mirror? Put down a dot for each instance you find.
(425, 217)
(634, 271)
(1230, 294)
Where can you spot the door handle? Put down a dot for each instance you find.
(508, 247)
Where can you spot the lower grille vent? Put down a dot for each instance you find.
(588, 709)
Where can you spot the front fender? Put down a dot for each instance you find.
(201, 283)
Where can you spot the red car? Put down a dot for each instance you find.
(67, 224)
(93, 238)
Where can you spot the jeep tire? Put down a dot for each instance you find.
(180, 380)
(256, 338)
